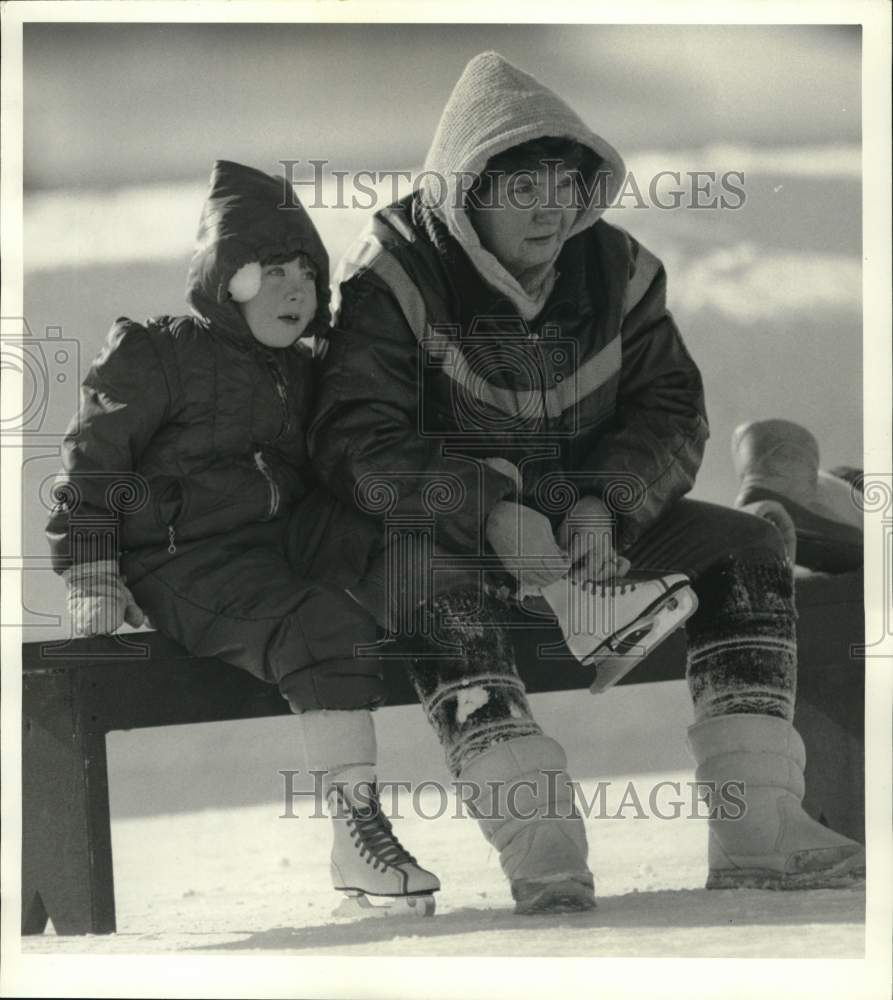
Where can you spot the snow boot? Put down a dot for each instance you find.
(613, 625)
(369, 864)
(524, 803)
(779, 460)
(765, 840)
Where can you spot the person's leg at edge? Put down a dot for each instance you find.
(741, 672)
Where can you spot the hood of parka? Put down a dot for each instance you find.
(493, 107)
(248, 217)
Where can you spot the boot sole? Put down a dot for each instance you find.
(558, 897)
(848, 873)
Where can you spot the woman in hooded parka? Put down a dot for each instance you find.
(505, 364)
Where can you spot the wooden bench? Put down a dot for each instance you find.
(76, 692)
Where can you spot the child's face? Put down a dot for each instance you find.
(278, 315)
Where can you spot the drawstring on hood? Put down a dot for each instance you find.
(248, 217)
(494, 107)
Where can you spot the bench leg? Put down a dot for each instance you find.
(66, 830)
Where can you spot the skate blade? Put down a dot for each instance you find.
(620, 655)
(360, 905)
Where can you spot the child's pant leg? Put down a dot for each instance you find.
(742, 641)
(237, 597)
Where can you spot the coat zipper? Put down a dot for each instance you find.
(281, 392)
(259, 461)
(171, 524)
(265, 472)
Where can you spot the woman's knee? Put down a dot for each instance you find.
(753, 536)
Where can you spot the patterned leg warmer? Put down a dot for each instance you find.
(742, 642)
(471, 694)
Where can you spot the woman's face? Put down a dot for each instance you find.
(531, 215)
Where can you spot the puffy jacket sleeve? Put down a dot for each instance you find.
(125, 398)
(365, 440)
(660, 426)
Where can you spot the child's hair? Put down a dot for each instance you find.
(306, 260)
(531, 156)
(246, 282)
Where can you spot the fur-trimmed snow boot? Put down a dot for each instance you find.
(523, 799)
(770, 843)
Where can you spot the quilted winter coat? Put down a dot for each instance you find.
(190, 444)
(441, 360)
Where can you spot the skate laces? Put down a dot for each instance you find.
(375, 837)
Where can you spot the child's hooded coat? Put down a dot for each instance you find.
(189, 450)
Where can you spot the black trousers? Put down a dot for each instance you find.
(741, 641)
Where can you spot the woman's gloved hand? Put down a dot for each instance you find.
(99, 602)
(586, 535)
(524, 542)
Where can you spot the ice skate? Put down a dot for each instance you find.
(613, 624)
(371, 867)
(766, 840)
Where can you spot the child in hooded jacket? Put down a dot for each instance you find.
(189, 445)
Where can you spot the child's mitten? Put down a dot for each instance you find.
(98, 599)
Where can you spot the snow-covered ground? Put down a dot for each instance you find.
(245, 880)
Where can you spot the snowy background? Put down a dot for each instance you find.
(122, 124)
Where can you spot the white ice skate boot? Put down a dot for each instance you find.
(773, 843)
(521, 795)
(369, 865)
(613, 625)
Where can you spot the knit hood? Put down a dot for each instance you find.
(493, 107)
(244, 221)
